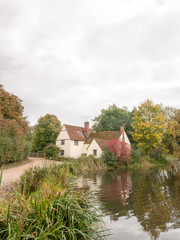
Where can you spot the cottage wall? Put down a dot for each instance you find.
(76, 151)
(85, 146)
(63, 135)
(94, 146)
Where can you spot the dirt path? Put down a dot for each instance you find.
(14, 173)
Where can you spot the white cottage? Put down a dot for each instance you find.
(73, 140)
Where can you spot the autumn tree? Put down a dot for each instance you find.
(172, 136)
(45, 132)
(112, 119)
(149, 126)
(120, 150)
(11, 108)
(13, 128)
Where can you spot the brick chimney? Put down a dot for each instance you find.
(86, 129)
(122, 129)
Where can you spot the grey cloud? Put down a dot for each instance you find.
(139, 39)
(74, 58)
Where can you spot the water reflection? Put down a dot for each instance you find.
(147, 200)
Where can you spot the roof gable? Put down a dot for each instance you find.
(103, 144)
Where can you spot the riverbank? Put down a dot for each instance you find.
(42, 206)
(12, 172)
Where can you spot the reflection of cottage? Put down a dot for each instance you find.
(73, 140)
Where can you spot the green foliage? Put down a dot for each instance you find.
(13, 129)
(112, 119)
(136, 155)
(11, 108)
(13, 145)
(13, 149)
(34, 178)
(45, 132)
(171, 137)
(47, 210)
(149, 126)
(1, 173)
(51, 151)
(109, 158)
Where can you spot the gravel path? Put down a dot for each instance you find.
(12, 174)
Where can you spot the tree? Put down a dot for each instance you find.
(112, 119)
(149, 126)
(13, 128)
(172, 135)
(120, 150)
(45, 132)
(11, 108)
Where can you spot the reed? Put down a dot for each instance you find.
(47, 209)
(1, 174)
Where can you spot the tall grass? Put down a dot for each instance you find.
(51, 216)
(46, 209)
(1, 174)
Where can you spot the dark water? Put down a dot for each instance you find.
(138, 204)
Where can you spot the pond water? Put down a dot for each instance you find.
(137, 204)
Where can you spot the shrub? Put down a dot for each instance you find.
(120, 150)
(13, 149)
(108, 158)
(136, 155)
(51, 151)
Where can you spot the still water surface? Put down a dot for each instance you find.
(138, 204)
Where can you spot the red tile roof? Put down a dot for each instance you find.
(103, 144)
(106, 135)
(77, 133)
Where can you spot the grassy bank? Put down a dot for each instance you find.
(42, 206)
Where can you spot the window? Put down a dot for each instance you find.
(95, 152)
(62, 152)
(62, 142)
(76, 142)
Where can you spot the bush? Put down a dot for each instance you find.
(51, 151)
(136, 155)
(13, 149)
(108, 158)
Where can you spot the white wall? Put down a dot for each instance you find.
(125, 138)
(76, 151)
(85, 146)
(63, 135)
(94, 146)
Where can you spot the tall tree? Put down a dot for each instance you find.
(149, 125)
(11, 108)
(112, 118)
(172, 136)
(13, 128)
(45, 132)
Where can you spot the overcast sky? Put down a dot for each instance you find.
(72, 58)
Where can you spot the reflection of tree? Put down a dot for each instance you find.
(155, 200)
(114, 193)
(152, 196)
